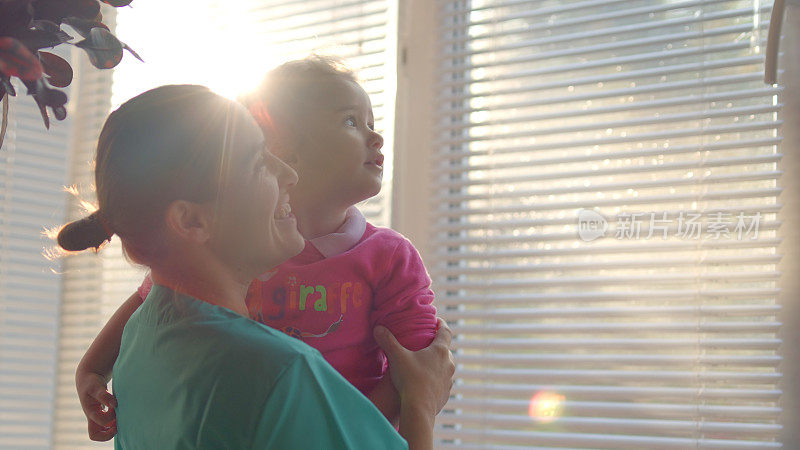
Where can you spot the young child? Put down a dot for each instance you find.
(350, 277)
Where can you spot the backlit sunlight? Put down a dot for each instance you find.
(206, 42)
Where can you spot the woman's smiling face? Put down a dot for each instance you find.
(254, 225)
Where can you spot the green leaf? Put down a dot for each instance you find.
(117, 3)
(103, 48)
(83, 26)
(4, 125)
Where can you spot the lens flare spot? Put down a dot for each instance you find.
(51, 232)
(73, 190)
(545, 406)
(88, 207)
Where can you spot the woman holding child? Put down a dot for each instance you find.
(185, 179)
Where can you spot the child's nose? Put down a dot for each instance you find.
(376, 141)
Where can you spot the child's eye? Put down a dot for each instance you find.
(350, 121)
(371, 126)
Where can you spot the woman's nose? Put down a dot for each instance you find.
(287, 177)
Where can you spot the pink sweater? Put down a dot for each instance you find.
(339, 288)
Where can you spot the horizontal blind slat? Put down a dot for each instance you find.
(661, 119)
(699, 326)
(588, 312)
(611, 393)
(613, 61)
(587, 296)
(649, 376)
(612, 425)
(551, 360)
(601, 249)
(674, 101)
(283, 13)
(583, 34)
(617, 343)
(448, 99)
(667, 182)
(637, 137)
(456, 8)
(443, 168)
(586, 19)
(599, 440)
(444, 227)
(597, 203)
(631, 280)
(705, 32)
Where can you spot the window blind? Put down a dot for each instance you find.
(359, 32)
(579, 148)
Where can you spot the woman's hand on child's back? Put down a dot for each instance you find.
(98, 405)
(424, 377)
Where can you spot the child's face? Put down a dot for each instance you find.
(336, 152)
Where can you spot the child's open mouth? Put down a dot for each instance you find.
(377, 162)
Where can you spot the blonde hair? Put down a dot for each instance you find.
(163, 145)
(285, 89)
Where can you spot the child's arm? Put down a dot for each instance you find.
(94, 372)
(403, 304)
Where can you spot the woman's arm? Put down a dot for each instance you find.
(94, 372)
(423, 378)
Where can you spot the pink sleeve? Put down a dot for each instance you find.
(144, 289)
(403, 299)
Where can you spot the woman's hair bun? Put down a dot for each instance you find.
(88, 232)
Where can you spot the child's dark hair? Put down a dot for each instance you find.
(285, 89)
(160, 146)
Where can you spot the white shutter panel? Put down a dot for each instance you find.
(33, 164)
(361, 33)
(550, 108)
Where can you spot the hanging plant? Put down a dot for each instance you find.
(28, 26)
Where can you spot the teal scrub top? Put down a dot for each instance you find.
(194, 375)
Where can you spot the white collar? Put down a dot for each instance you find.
(345, 237)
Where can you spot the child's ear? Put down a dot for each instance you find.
(189, 221)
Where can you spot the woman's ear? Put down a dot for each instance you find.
(189, 221)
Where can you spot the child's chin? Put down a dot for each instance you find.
(292, 247)
(298, 246)
(376, 188)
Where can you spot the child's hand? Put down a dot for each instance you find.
(98, 405)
